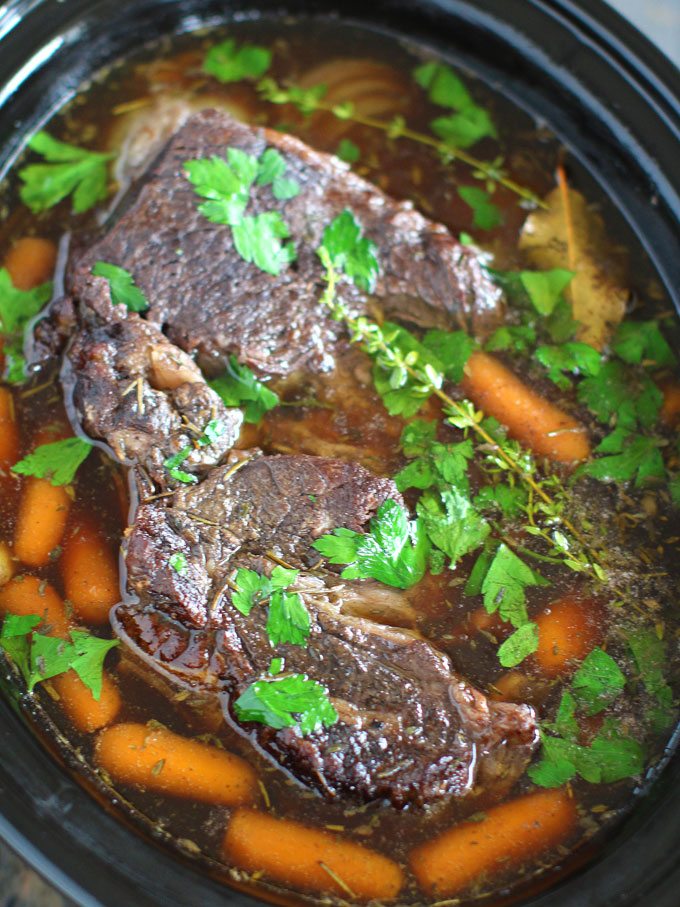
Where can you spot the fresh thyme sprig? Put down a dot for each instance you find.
(546, 494)
(311, 100)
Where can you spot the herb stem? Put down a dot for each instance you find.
(271, 91)
(371, 336)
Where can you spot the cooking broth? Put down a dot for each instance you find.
(331, 415)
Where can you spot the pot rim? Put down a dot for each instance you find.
(45, 815)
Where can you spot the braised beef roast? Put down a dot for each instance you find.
(410, 729)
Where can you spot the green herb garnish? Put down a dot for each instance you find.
(17, 308)
(394, 551)
(350, 252)
(470, 122)
(229, 62)
(40, 657)
(122, 286)
(293, 701)
(485, 214)
(239, 387)
(212, 431)
(57, 461)
(69, 171)
(226, 184)
(288, 620)
(347, 151)
(178, 563)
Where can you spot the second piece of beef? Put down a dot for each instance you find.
(211, 302)
(409, 729)
(141, 395)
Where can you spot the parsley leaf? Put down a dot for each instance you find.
(485, 214)
(598, 682)
(630, 457)
(271, 172)
(505, 584)
(545, 288)
(178, 563)
(293, 701)
(452, 349)
(40, 657)
(470, 123)
(350, 252)
(228, 62)
(649, 654)
(212, 431)
(258, 240)
(636, 341)
(576, 358)
(347, 151)
(70, 170)
(509, 499)
(523, 642)
(239, 387)
(400, 395)
(57, 461)
(452, 523)
(122, 286)
(253, 588)
(417, 438)
(394, 551)
(17, 308)
(288, 620)
(611, 757)
(88, 657)
(613, 392)
(517, 338)
(226, 184)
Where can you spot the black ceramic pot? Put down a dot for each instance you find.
(615, 102)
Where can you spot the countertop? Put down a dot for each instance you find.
(660, 21)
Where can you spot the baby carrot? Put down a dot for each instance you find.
(531, 419)
(506, 837)
(6, 564)
(670, 410)
(81, 708)
(9, 432)
(159, 760)
(90, 572)
(41, 521)
(31, 261)
(567, 630)
(309, 858)
(30, 595)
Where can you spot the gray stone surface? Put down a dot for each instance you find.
(659, 20)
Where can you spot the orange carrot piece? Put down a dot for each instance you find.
(509, 835)
(670, 410)
(531, 419)
(160, 760)
(31, 261)
(86, 713)
(30, 595)
(567, 630)
(90, 573)
(7, 564)
(9, 432)
(309, 858)
(41, 521)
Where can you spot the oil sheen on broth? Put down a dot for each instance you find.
(605, 666)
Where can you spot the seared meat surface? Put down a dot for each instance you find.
(211, 302)
(410, 729)
(142, 395)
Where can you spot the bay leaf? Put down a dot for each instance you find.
(569, 234)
